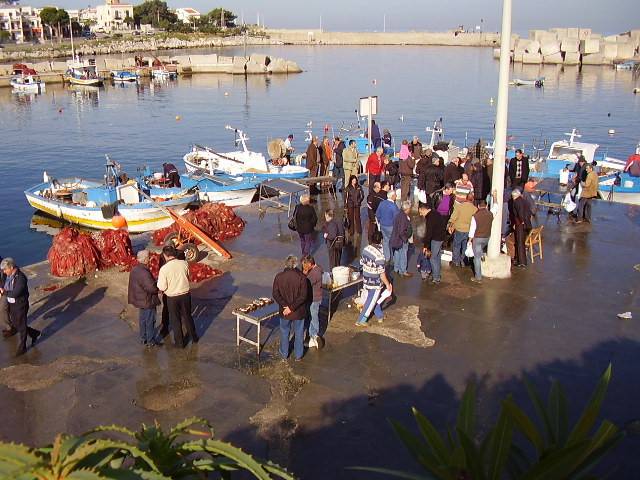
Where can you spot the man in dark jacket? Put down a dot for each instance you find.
(313, 272)
(433, 174)
(390, 170)
(373, 200)
(434, 235)
(291, 292)
(405, 169)
(312, 157)
(143, 294)
(5, 322)
(520, 218)
(333, 237)
(519, 170)
(338, 169)
(16, 289)
(452, 171)
(399, 243)
(305, 220)
(171, 173)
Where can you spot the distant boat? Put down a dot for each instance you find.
(26, 80)
(622, 187)
(93, 204)
(628, 65)
(536, 82)
(243, 162)
(121, 76)
(566, 152)
(83, 72)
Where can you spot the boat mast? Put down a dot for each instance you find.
(73, 51)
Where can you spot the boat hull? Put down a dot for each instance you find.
(627, 192)
(231, 198)
(290, 172)
(142, 217)
(87, 82)
(28, 88)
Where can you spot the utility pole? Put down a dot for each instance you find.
(222, 18)
(384, 23)
(500, 264)
(320, 23)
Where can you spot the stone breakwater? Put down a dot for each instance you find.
(129, 45)
(574, 46)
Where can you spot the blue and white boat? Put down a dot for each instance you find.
(566, 152)
(233, 191)
(621, 186)
(123, 76)
(93, 204)
(243, 163)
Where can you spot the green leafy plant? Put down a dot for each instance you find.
(188, 450)
(554, 451)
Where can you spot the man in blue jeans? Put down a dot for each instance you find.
(385, 215)
(143, 294)
(291, 292)
(434, 233)
(314, 275)
(459, 225)
(479, 234)
(374, 280)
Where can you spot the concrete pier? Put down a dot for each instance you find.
(555, 319)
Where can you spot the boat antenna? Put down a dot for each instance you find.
(73, 50)
(574, 133)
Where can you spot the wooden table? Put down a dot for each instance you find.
(334, 291)
(256, 318)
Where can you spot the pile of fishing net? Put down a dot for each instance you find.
(215, 219)
(197, 271)
(115, 249)
(73, 254)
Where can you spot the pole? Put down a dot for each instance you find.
(369, 118)
(320, 23)
(500, 143)
(384, 23)
(73, 51)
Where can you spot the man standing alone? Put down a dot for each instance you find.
(291, 292)
(374, 279)
(143, 294)
(173, 280)
(16, 289)
(589, 192)
(479, 234)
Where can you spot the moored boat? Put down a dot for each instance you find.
(26, 80)
(83, 72)
(520, 82)
(623, 187)
(122, 76)
(243, 162)
(93, 204)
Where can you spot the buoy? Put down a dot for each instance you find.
(491, 100)
(119, 221)
(401, 118)
(60, 110)
(375, 82)
(226, 94)
(612, 131)
(178, 118)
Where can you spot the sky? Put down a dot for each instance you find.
(608, 16)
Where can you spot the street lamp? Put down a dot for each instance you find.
(498, 264)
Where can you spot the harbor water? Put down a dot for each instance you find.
(67, 131)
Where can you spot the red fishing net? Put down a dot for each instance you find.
(197, 271)
(115, 248)
(215, 219)
(73, 254)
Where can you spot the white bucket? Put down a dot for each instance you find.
(340, 275)
(628, 184)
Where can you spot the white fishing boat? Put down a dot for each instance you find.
(162, 73)
(93, 204)
(623, 187)
(520, 82)
(26, 80)
(123, 76)
(83, 72)
(240, 162)
(567, 152)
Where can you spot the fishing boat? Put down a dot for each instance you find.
(245, 163)
(93, 204)
(536, 82)
(161, 73)
(233, 191)
(26, 80)
(122, 76)
(566, 152)
(628, 65)
(83, 72)
(622, 187)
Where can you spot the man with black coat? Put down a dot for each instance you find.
(16, 289)
(143, 294)
(291, 291)
(520, 218)
(452, 171)
(435, 231)
(519, 170)
(333, 237)
(373, 200)
(7, 328)
(305, 220)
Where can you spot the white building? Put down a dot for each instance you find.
(187, 15)
(111, 16)
(88, 16)
(22, 23)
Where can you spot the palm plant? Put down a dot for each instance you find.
(559, 452)
(150, 454)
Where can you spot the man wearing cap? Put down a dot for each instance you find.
(171, 174)
(143, 294)
(374, 166)
(519, 169)
(520, 218)
(415, 147)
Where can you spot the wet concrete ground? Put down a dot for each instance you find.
(556, 319)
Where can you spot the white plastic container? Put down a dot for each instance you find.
(628, 184)
(340, 275)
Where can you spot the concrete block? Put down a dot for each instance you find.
(182, 59)
(58, 66)
(533, 47)
(203, 59)
(560, 32)
(255, 67)
(517, 56)
(548, 48)
(537, 35)
(584, 33)
(293, 67)
(610, 51)
(258, 59)
(573, 33)
(112, 64)
(596, 59)
(129, 62)
(555, 58)
(6, 69)
(496, 53)
(41, 67)
(225, 60)
(239, 64)
(570, 45)
(623, 39)
(589, 46)
(277, 65)
(611, 38)
(571, 58)
(626, 51)
(595, 36)
(532, 58)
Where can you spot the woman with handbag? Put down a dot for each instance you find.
(304, 220)
(353, 198)
(334, 238)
